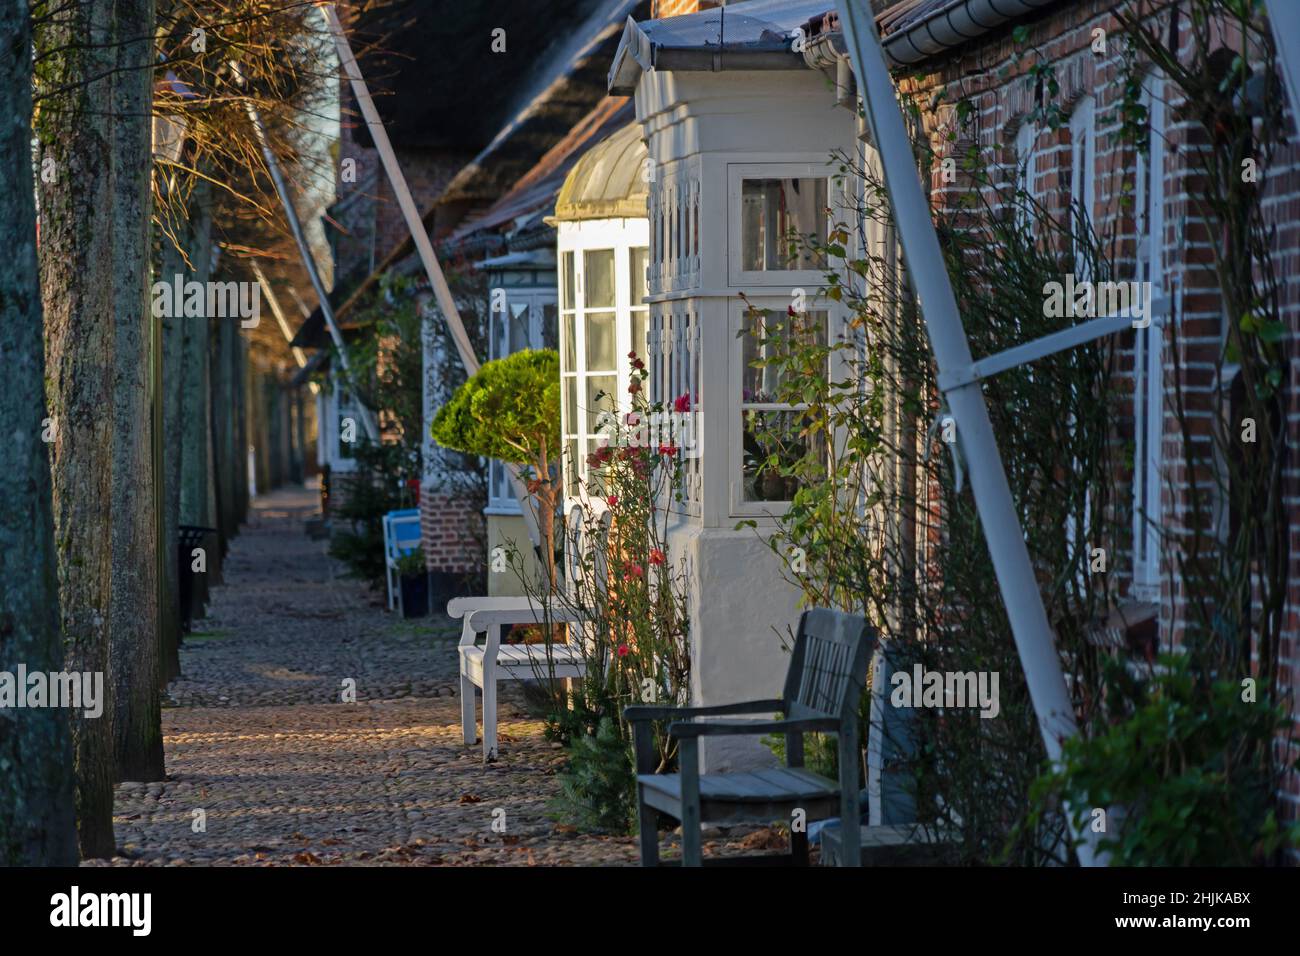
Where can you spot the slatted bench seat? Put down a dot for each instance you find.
(737, 797)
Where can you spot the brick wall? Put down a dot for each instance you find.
(662, 9)
(452, 532)
(989, 76)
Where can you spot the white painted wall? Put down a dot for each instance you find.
(700, 127)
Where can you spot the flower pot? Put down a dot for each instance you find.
(414, 595)
(773, 487)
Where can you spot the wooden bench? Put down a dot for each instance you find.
(828, 668)
(483, 665)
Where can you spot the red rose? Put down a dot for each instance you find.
(622, 650)
(612, 500)
(656, 556)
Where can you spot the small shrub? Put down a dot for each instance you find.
(1187, 767)
(411, 565)
(598, 784)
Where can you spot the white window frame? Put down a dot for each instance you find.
(738, 507)
(1083, 161)
(1148, 353)
(736, 174)
(1083, 194)
(501, 498)
(622, 236)
(334, 412)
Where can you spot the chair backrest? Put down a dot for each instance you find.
(405, 532)
(828, 668)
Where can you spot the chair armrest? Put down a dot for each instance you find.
(731, 728)
(651, 712)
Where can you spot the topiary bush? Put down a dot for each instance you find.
(510, 410)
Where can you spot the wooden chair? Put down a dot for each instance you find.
(827, 672)
(401, 537)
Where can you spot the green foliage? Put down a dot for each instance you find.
(509, 410)
(1182, 777)
(882, 521)
(624, 580)
(378, 486)
(412, 564)
(598, 785)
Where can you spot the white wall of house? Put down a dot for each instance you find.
(522, 315)
(708, 134)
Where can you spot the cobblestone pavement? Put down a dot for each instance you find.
(267, 766)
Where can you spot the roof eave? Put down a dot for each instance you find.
(634, 56)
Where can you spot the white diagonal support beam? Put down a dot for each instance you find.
(415, 225)
(1034, 639)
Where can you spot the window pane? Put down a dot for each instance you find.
(601, 344)
(766, 336)
(606, 387)
(639, 257)
(638, 333)
(775, 212)
(571, 404)
(772, 433)
(549, 327)
(598, 279)
(569, 357)
(571, 466)
(566, 280)
(519, 337)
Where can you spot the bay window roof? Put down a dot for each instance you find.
(608, 182)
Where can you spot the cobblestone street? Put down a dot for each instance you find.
(263, 753)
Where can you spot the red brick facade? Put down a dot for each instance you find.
(452, 533)
(989, 76)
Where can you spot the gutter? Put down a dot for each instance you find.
(953, 26)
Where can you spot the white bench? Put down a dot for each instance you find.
(482, 665)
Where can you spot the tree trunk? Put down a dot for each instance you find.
(173, 380)
(37, 826)
(133, 619)
(76, 265)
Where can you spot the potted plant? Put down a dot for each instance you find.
(414, 578)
